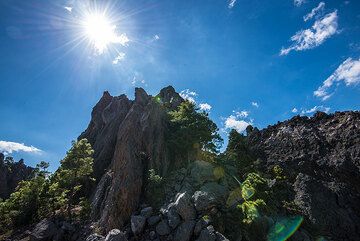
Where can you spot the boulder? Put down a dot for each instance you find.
(146, 212)
(95, 237)
(163, 228)
(173, 218)
(115, 235)
(45, 230)
(201, 172)
(137, 224)
(153, 220)
(184, 231)
(185, 207)
(221, 237)
(210, 195)
(207, 234)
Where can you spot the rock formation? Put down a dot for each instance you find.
(11, 174)
(128, 137)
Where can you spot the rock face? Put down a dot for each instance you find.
(11, 174)
(128, 137)
(321, 157)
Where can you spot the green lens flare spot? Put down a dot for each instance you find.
(285, 228)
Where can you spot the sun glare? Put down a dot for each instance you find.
(99, 31)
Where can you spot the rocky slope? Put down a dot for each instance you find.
(11, 174)
(321, 157)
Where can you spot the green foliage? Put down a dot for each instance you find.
(279, 173)
(75, 170)
(238, 153)
(254, 193)
(85, 208)
(154, 188)
(191, 131)
(44, 194)
(22, 207)
(250, 209)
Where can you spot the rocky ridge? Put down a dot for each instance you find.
(321, 157)
(11, 174)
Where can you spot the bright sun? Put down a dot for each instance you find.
(99, 31)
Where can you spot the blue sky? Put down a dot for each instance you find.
(255, 62)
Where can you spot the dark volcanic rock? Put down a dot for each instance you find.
(128, 137)
(321, 157)
(11, 174)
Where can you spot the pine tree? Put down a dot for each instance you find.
(75, 169)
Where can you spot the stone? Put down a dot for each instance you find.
(95, 237)
(200, 224)
(152, 235)
(209, 196)
(137, 224)
(221, 237)
(43, 231)
(173, 218)
(163, 228)
(184, 231)
(207, 234)
(153, 220)
(116, 235)
(185, 207)
(201, 172)
(146, 212)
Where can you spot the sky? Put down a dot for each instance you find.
(243, 61)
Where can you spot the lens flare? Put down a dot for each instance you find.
(284, 228)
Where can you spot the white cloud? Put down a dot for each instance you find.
(314, 11)
(205, 106)
(348, 72)
(314, 109)
(299, 2)
(120, 57)
(8, 147)
(188, 95)
(242, 114)
(231, 3)
(321, 30)
(294, 110)
(68, 8)
(156, 37)
(255, 104)
(232, 122)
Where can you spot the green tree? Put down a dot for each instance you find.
(191, 131)
(75, 169)
(238, 152)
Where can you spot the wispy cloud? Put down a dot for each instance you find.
(255, 104)
(120, 57)
(348, 72)
(321, 30)
(294, 110)
(315, 11)
(188, 95)
(314, 109)
(8, 147)
(299, 2)
(68, 8)
(156, 37)
(205, 106)
(231, 3)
